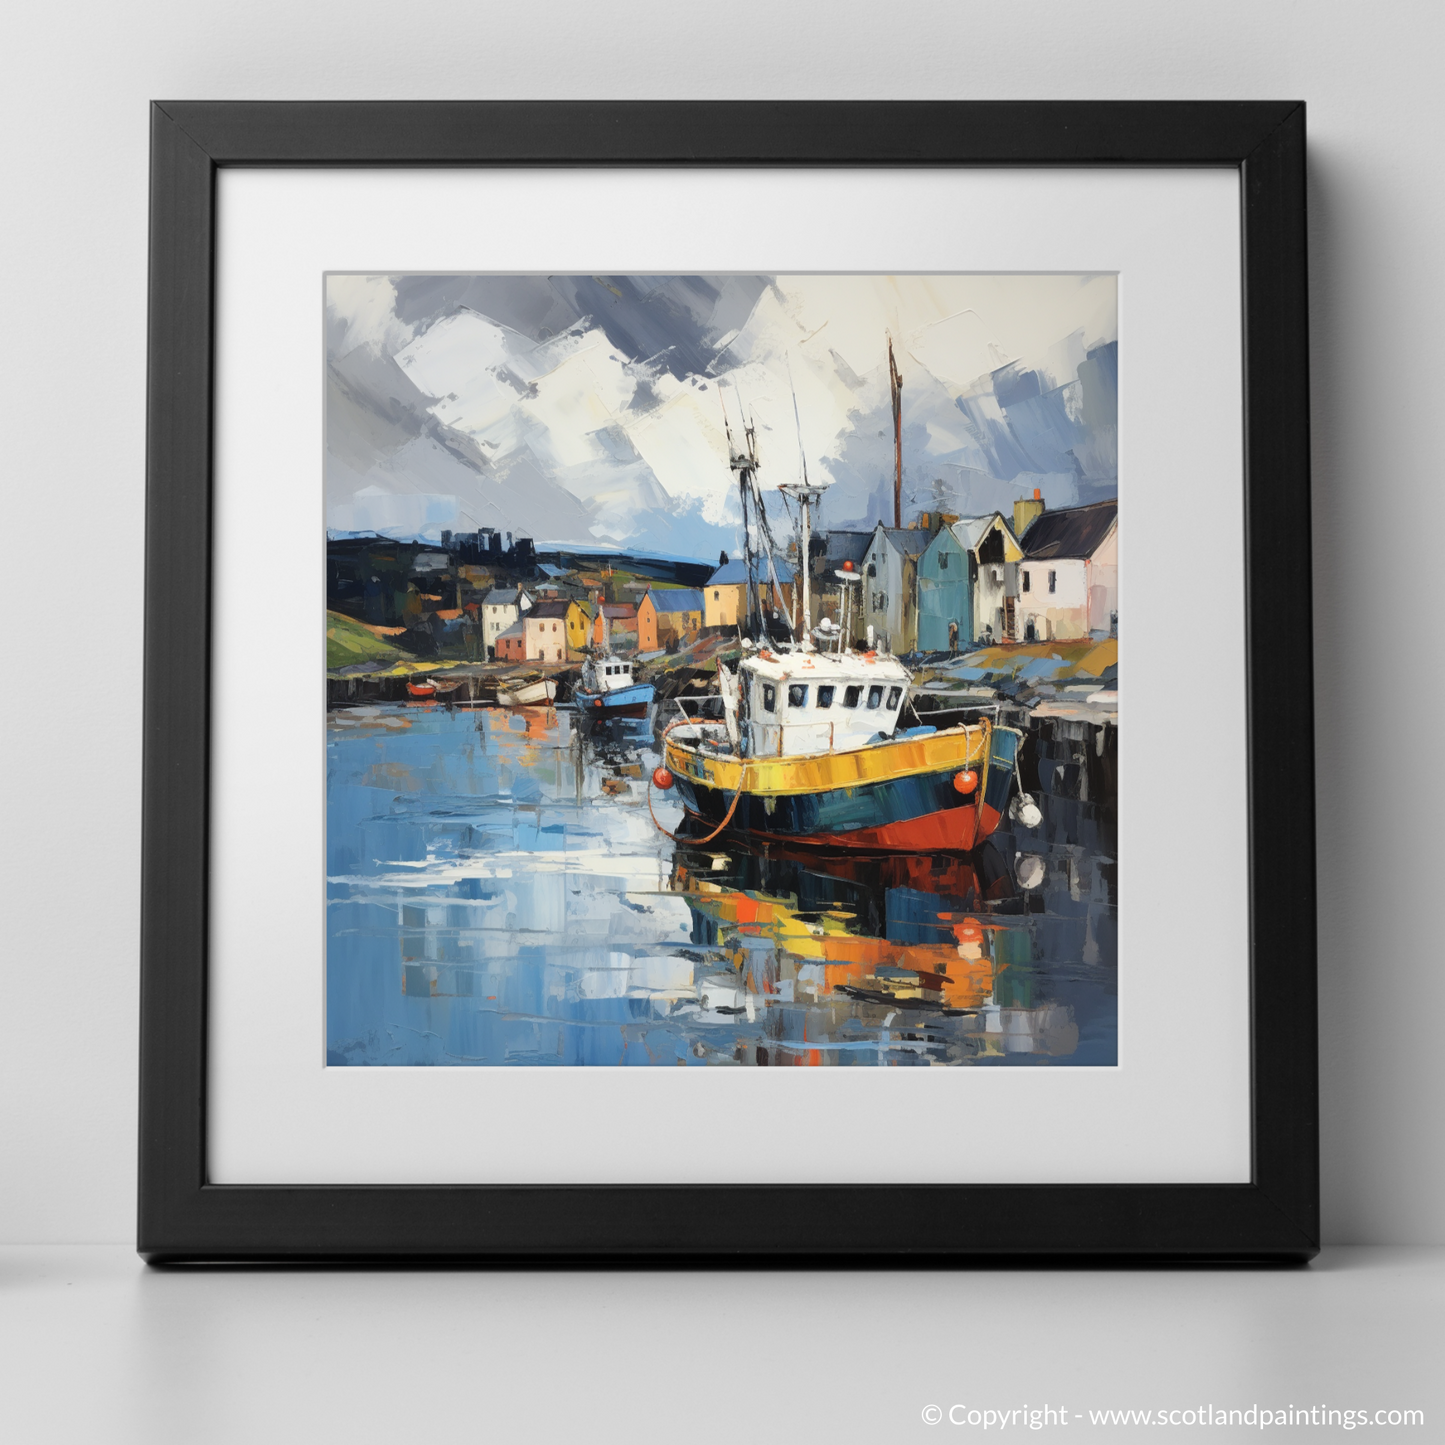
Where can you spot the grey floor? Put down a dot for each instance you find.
(94, 1347)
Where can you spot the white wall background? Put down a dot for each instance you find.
(75, 79)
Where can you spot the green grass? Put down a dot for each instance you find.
(348, 642)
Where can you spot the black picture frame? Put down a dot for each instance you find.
(1274, 1217)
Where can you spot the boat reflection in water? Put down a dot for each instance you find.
(499, 895)
(886, 959)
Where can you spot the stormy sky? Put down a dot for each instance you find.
(590, 410)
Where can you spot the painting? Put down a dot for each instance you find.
(721, 670)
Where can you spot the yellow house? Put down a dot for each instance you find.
(579, 625)
(724, 599)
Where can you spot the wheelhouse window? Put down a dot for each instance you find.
(825, 694)
(770, 697)
(797, 694)
(851, 696)
(875, 695)
(894, 694)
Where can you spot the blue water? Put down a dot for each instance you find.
(498, 894)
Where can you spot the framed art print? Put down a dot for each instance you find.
(661, 572)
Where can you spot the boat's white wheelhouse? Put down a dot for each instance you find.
(608, 674)
(796, 703)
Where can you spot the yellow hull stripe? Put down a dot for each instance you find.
(822, 772)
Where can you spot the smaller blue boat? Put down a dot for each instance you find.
(607, 689)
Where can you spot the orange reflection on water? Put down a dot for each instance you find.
(822, 954)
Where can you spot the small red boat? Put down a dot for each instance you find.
(421, 689)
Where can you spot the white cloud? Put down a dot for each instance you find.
(366, 306)
(644, 451)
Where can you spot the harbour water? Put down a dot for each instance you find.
(499, 894)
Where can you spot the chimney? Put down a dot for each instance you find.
(1027, 512)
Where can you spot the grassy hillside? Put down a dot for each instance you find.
(349, 642)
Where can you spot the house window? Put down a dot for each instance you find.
(1053, 581)
(943, 561)
(894, 693)
(875, 696)
(1026, 581)
(716, 594)
(872, 569)
(851, 696)
(770, 697)
(797, 694)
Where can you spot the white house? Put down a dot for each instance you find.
(501, 607)
(1069, 576)
(544, 629)
(890, 586)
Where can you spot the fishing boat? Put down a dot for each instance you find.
(528, 694)
(811, 751)
(607, 688)
(813, 748)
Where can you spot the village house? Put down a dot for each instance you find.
(1069, 576)
(615, 626)
(579, 624)
(841, 551)
(890, 586)
(545, 629)
(511, 645)
(501, 607)
(666, 616)
(725, 596)
(968, 584)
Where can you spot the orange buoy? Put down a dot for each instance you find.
(847, 566)
(597, 702)
(966, 781)
(661, 778)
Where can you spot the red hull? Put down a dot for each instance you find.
(955, 830)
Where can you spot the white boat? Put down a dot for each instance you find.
(529, 694)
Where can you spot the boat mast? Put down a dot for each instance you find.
(745, 463)
(806, 495)
(896, 384)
